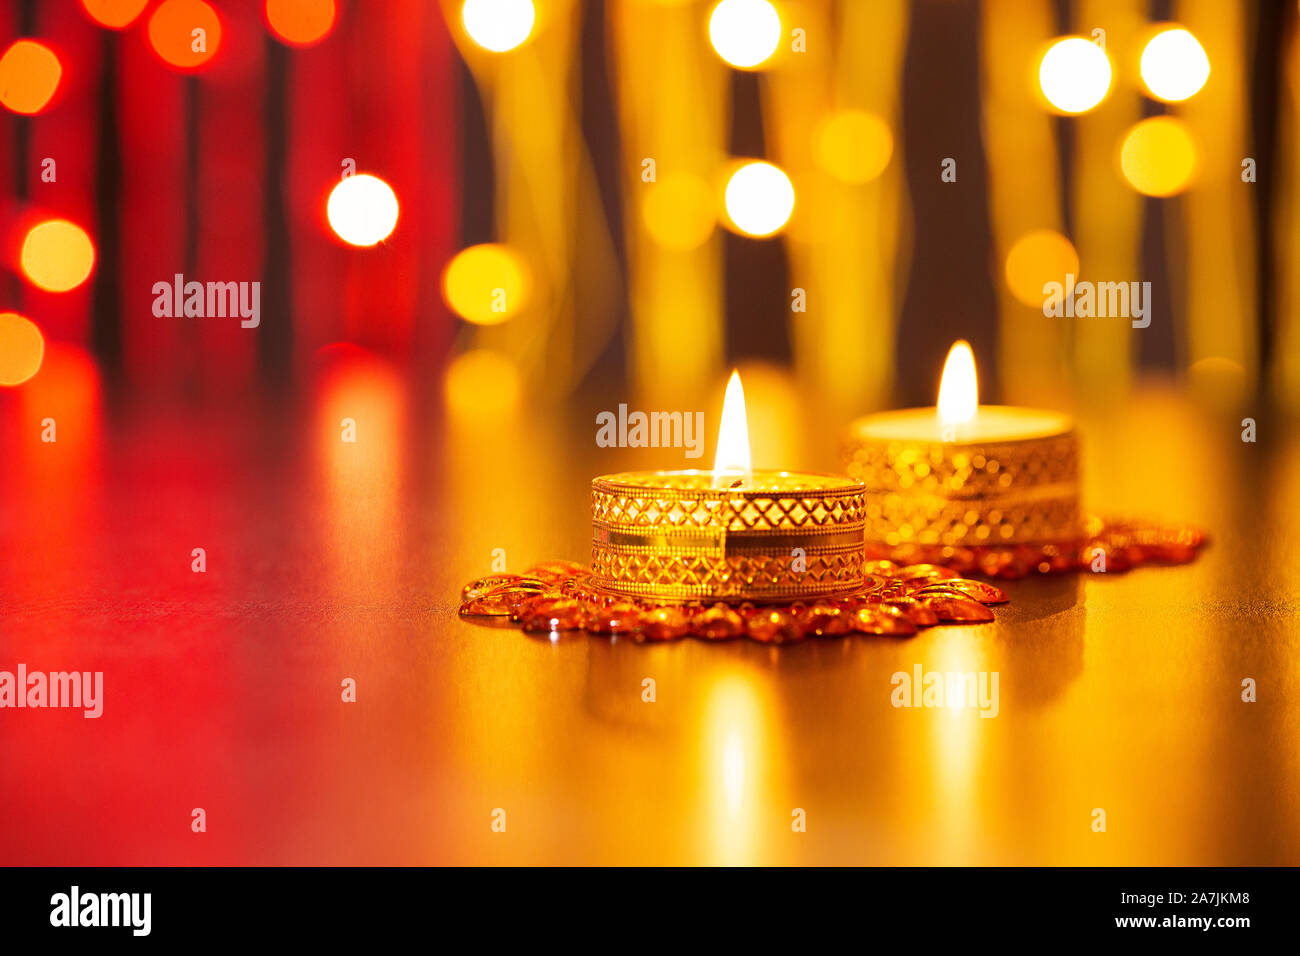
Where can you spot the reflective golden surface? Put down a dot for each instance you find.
(329, 560)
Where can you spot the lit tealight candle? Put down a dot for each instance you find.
(732, 467)
(962, 474)
(734, 533)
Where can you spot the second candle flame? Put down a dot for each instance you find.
(731, 465)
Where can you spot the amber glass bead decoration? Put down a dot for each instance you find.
(892, 599)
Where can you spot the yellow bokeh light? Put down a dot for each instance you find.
(1158, 156)
(29, 75)
(1174, 65)
(362, 210)
(498, 25)
(745, 32)
(679, 211)
(57, 255)
(21, 348)
(759, 199)
(854, 146)
(1074, 75)
(1037, 258)
(485, 284)
(482, 384)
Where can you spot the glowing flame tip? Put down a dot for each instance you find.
(731, 465)
(958, 389)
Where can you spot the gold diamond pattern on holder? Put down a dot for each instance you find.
(674, 536)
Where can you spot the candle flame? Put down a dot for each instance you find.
(958, 389)
(731, 465)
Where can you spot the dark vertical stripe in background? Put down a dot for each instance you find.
(600, 131)
(478, 174)
(21, 146)
(437, 84)
(950, 292)
(275, 335)
(1066, 138)
(1274, 23)
(1157, 345)
(23, 124)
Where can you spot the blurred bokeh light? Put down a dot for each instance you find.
(498, 25)
(679, 211)
(1074, 75)
(745, 33)
(759, 199)
(29, 76)
(116, 14)
(21, 348)
(482, 384)
(301, 22)
(1174, 65)
(1158, 156)
(485, 284)
(57, 255)
(854, 146)
(1037, 258)
(362, 210)
(173, 33)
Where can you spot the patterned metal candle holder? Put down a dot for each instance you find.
(673, 535)
(990, 489)
(994, 488)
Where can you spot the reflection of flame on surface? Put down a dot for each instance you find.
(360, 456)
(731, 465)
(736, 750)
(956, 748)
(958, 389)
(733, 771)
(67, 393)
(51, 474)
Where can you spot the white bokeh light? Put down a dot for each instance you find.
(362, 210)
(498, 25)
(1174, 65)
(1074, 75)
(759, 199)
(745, 32)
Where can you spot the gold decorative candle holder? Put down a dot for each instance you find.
(969, 492)
(672, 535)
